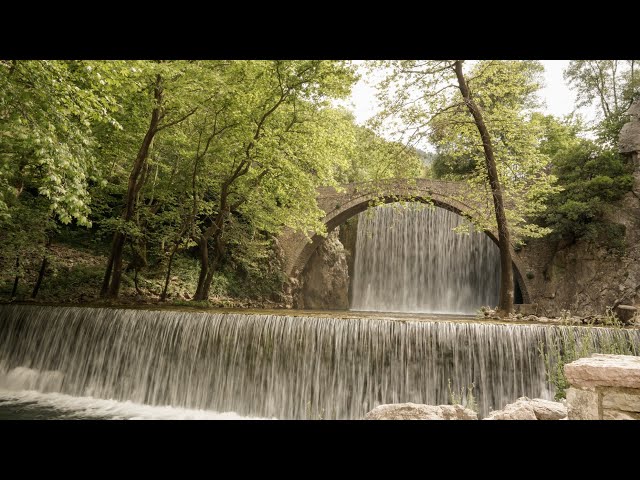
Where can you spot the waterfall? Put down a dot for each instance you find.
(409, 259)
(278, 366)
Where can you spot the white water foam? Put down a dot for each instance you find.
(15, 391)
(183, 364)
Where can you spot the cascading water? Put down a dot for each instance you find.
(409, 259)
(270, 366)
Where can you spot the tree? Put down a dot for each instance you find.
(375, 158)
(48, 113)
(174, 94)
(506, 263)
(591, 175)
(280, 142)
(483, 117)
(611, 85)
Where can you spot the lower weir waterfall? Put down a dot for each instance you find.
(257, 365)
(409, 259)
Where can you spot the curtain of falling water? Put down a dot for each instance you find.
(271, 366)
(409, 259)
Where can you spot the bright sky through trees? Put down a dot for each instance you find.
(558, 97)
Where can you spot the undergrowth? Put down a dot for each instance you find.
(580, 342)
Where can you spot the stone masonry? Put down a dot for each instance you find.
(582, 277)
(351, 199)
(604, 387)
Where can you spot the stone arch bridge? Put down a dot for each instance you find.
(354, 198)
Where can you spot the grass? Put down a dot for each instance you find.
(464, 398)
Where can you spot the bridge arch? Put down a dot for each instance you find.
(354, 198)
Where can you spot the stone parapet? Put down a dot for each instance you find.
(604, 387)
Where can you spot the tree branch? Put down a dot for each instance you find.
(175, 122)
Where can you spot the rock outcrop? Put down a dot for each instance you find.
(629, 139)
(585, 277)
(349, 237)
(416, 411)
(530, 409)
(325, 280)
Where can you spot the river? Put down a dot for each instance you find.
(73, 362)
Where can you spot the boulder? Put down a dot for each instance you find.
(530, 409)
(416, 411)
(626, 313)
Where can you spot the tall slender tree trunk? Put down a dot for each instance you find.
(107, 273)
(505, 305)
(204, 269)
(614, 82)
(116, 274)
(43, 269)
(167, 279)
(135, 282)
(174, 250)
(14, 291)
(113, 272)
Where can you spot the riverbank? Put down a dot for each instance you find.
(75, 270)
(610, 318)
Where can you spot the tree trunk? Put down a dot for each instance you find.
(207, 278)
(116, 274)
(43, 268)
(167, 279)
(505, 305)
(17, 279)
(208, 265)
(107, 272)
(113, 273)
(614, 68)
(204, 270)
(135, 282)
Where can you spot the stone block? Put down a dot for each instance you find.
(626, 401)
(618, 415)
(582, 404)
(600, 370)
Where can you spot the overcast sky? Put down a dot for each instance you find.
(559, 99)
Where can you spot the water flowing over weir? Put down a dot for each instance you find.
(409, 259)
(271, 366)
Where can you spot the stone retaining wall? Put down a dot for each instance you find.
(604, 387)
